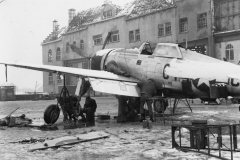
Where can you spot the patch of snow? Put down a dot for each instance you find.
(207, 112)
(185, 116)
(154, 153)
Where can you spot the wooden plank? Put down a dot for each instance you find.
(67, 140)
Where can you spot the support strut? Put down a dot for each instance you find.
(6, 72)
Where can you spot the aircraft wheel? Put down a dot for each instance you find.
(159, 106)
(51, 114)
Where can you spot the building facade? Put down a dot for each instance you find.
(194, 24)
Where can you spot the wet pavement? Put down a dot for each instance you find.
(126, 141)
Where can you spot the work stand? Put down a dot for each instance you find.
(204, 137)
(171, 105)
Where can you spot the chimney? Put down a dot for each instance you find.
(55, 25)
(71, 13)
(107, 2)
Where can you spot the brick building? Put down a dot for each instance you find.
(195, 24)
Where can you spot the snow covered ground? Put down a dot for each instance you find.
(126, 141)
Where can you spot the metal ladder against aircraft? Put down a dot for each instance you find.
(201, 137)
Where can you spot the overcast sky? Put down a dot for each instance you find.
(24, 24)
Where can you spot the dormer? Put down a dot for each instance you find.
(108, 10)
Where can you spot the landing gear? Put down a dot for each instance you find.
(51, 114)
(160, 105)
(69, 104)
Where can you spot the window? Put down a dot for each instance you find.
(134, 35)
(97, 39)
(229, 52)
(183, 25)
(168, 29)
(107, 14)
(59, 79)
(131, 36)
(85, 65)
(67, 48)
(137, 35)
(114, 36)
(202, 20)
(50, 78)
(49, 55)
(58, 54)
(82, 45)
(227, 15)
(160, 30)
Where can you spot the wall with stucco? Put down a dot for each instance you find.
(77, 37)
(103, 27)
(221, 47)
(45, 48)
(148, 25)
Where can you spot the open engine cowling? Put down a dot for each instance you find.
(98, 60)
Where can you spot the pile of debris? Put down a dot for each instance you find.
(12, 121)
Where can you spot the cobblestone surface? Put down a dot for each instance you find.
(127, 140)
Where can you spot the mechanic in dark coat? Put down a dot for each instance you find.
(89, 108)
(148, 89)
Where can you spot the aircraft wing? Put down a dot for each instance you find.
(101, 81)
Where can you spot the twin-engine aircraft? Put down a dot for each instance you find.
(177, 72)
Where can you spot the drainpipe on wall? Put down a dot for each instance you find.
(211, 39)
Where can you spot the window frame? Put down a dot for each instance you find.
(81, 44)
(167, 26)
(134, 35)
(183, 25)
(202, 21)
(131, 36)
(58, 54)
(137, 35)
(114, 34)
(161, 30)
(50, 56)
(50, 78)
(97, 39)
(84, 64)
(59, 80)
(107, 14)
(229, 52)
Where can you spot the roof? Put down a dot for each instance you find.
(133, 9)
(53, 36)
(6, 84)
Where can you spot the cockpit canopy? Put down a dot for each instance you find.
(167, 50)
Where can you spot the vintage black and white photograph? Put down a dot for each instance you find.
(120, 80)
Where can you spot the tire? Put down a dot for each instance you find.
(51, 114)
(158, 104)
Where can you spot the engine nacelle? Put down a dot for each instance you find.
(98, 60)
